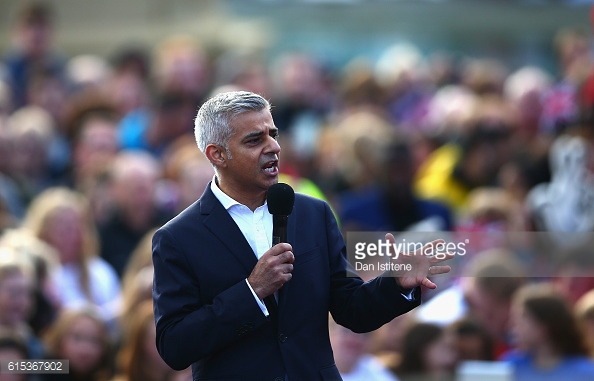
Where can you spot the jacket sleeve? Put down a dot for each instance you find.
(355, 304)
(189, 329)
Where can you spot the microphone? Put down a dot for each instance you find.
(280, 198)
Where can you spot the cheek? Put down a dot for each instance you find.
(68, 347)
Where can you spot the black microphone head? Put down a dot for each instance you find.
(280, 198)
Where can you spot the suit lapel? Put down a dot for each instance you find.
(221, 225)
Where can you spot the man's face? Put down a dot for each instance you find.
(253, 166)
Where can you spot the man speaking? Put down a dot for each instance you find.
(234, 306)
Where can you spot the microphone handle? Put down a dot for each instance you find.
(279, 228)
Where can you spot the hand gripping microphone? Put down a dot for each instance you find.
(280, 198)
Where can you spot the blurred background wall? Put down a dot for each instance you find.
(334, 30)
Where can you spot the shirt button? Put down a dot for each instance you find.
(282, 337)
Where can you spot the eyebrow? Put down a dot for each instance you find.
(256, 134)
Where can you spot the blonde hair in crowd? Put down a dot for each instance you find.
(53, 200)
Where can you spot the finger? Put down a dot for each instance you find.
(433, 246)
(435, 270)
(280, 248)
(287, 257)
(390, 237)
(441, 258)
(427, 283)
(288, 268)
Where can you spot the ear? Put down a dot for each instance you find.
(217, 155)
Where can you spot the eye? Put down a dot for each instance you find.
(274, 135)
(253, 141)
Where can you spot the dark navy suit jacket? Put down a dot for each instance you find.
(207, 317)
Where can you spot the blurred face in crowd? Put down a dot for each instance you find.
(96, 146)
(441, 356)
(194, 178)
(185, 72)
(253, 166)
(348, 347)
(173, 119)
(15, 299)
(301, 78)
(83, 345)
(35, 37)
(486, 308)
(135, 193)
(11, 354)
(48, 93)
(573, 281)
(528, 333)
(128, 91)
(64, 232)
(29, 155)
(471, 347)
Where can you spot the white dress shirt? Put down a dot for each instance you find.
(256, 227)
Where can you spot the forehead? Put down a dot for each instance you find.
(252, 121)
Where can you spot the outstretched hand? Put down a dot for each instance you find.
(421, 264)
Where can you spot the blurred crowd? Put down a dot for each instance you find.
(97, 152)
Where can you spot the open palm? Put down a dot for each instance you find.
(418, 266)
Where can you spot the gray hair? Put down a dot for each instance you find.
(213, 122)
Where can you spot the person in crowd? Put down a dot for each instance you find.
(180, 66)
(16, 297)
(491, 209)
(386, 342)
(560, 108)
(390, 204)
(484, 292)
(44, 259)
(524, 89)
(32, 129)
(339, 165)
(428, 354)
(61, 217)
(473, 342)
(138, 359)
(186, 173)
(549, 342)
(87, 71)
(401, 70)
(472, 159)
(132, 206)
(13, 349)
(168, 117)
(11, 200)
(129, 84)
(48, 92)
(80, 336)
(584, 312)
(352, 359)
(241, 68)
(33, 52)
(566, 203)
(137, 282)
(93, 132)
(573, 274)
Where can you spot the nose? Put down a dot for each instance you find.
(273, 146)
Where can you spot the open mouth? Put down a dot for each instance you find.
(271, 167)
